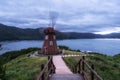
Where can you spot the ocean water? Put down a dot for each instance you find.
(104, 46)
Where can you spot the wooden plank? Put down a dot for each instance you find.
(66, 77)
(61, 67)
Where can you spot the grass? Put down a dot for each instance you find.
(18, 66)
(24, 68)
(8, 56)
(108, 67)
(72, 52)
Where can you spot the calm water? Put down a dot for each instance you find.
(105, 46)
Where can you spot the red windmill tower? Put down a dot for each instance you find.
(50, 44)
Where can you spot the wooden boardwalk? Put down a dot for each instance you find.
(66, 77)
(60, 66)
(62, 72)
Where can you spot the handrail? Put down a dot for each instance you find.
(49, 67)
(81, 66)
(93, 71)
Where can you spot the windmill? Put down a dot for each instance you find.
(50, 44)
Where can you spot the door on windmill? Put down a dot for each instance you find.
(51, 43)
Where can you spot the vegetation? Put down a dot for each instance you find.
(14, 33)
(6, 57)
(108, 67)
(17, 65)
(2, 71)
(68, 49)
(24, 68)
(63, 47)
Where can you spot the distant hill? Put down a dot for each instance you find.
(14, 33)
(112, 35)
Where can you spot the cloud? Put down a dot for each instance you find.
(108, 31)
(74, 15)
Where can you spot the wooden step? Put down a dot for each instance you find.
(66, 77)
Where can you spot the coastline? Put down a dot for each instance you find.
(86, 52)
(60, 39)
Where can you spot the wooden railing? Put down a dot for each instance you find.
(46, 70)
(82, 67)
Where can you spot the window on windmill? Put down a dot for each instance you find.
(54, 37)
(46, 37)
(51, 43)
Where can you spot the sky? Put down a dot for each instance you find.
(96, 16)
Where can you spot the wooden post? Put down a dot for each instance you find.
(75, 69)
(92, 74)
(49, 63)
(42, 67)
(53, 68)
(83, 58)
(80, 66)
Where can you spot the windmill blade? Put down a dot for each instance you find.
(53, 17)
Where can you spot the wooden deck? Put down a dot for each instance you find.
(62, 72)
(66, 77)
(58, 70)
(61, 67)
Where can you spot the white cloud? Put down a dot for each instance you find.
(109, 30)
(79, 13)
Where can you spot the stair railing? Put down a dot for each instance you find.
(81, 69)
(46, 70)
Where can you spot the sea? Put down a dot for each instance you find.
(109, 47)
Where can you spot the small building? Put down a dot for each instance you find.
(50, 44)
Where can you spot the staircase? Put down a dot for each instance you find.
(66, 77)
(56, 69)
(62, 72)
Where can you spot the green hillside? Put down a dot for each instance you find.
(22, 67)
(108, 67)
(19, 66)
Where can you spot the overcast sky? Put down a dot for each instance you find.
(97, 16)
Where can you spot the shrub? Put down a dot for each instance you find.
(2, 71)
(6, 57)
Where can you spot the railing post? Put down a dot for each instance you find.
(80, 66)
(42, 67)
(52, 66)
(83, 62)
(92, 74)
(75, 69)
(83, 58)
(49, 63)
(83, 66)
